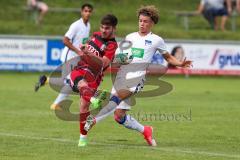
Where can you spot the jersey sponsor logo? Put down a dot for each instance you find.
(137, 52)
(93, 50)
(84, 40)
(102, 47)
(148, 42)
(226, 58)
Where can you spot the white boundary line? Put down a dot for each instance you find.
(187, 151)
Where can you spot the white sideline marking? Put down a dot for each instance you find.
(188, 151)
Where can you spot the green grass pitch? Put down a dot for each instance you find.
(208, 127)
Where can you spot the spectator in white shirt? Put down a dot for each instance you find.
(212, 9)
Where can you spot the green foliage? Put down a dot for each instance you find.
(14, 20)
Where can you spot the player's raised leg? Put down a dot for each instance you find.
(104, 113)
(108, 109)
(121, 103)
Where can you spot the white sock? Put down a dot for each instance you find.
(60, 98)
(102, 117)
(132, 123)
(83, 136)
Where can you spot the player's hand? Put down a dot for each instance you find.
(186, 63)
(82, 47)
(85, 50)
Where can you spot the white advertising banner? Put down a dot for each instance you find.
(211, 56)
(39, 54)
(23, 51)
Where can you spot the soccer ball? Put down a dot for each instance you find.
(123, 57)
(124, 53)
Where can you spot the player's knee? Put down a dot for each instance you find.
(86, 93)
(120, 119)
(120, 116)
(82, 84)
(123, 94)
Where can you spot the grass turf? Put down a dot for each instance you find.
(29, 130)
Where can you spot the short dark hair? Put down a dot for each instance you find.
(150, 11)
(110, 20)
(87, 5)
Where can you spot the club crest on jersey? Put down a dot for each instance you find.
(148, 42)
(102, 47)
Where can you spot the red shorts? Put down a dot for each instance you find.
(92, 82)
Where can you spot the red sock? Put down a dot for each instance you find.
(83, 117)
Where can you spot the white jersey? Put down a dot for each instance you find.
(78, 34)
(143, 49)
(131, 77)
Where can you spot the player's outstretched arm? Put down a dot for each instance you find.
(69, 44)
(105, 61)
(173, 61)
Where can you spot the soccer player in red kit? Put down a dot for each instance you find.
(96, 57)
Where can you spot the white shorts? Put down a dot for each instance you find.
(134, 85)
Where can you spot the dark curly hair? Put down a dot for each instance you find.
(150, 11)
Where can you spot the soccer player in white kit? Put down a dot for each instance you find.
(77, 35)
(144, 45)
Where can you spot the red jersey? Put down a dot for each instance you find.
(100, 47)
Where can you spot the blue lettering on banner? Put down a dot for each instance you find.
(54, 51)
(233, 60)
(26, 67)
